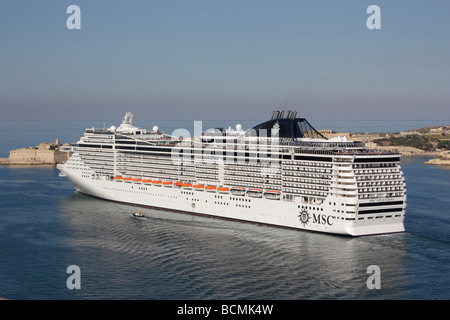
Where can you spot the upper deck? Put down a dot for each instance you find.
(280, 136)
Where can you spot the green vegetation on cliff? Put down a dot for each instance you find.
(415, 141)
(443, 144)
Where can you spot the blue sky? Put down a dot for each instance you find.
(225, 59)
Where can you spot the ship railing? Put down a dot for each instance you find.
(328, 144)
(313, 151)
(368, 152)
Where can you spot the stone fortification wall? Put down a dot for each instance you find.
(35, 156)
(43, 154)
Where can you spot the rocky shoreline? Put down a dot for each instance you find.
(443, 159)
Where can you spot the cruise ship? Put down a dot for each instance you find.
(282, 173)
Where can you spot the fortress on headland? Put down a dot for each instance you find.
(43, 154)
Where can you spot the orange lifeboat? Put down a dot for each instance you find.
(238, 191)
(210, 188)
(199, 187)
(187, 185)
(255, 193)
(118, 178)
(272, 194)
(179, 183)
(127, 179)
(137, 180)
(167, 183)
(223, 189)
(147, 181)
(157, 182)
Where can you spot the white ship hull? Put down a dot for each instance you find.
(316, 217)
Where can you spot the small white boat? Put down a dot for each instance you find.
(138, 214)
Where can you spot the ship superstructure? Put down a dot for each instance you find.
(281, 172)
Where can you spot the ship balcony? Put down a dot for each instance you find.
(310, 181)
(376, 171)
(380, 189)
(376, 177)
(310, 186)
(343, 159)
(347, 191)
(343, 166)
(345, 174)
(381, 195)
(347, 186)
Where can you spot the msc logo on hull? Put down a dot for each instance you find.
(323, 219)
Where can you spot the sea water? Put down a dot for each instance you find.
(45, 227)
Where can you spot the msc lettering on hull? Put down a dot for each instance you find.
(322, 219)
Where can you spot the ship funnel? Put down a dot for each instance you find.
(291, 114)
(277, 114)
(274, 115)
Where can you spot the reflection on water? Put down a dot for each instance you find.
(169, 255)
